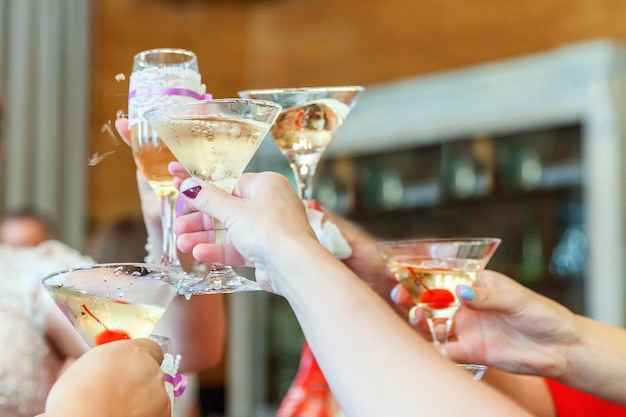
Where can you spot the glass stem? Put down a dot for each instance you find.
(220, 232)
(168, 214)
(440, 331)
(304, 175)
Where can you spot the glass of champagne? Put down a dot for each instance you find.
(215, 140)
(160, 76)
(307, 124)
(431, 269)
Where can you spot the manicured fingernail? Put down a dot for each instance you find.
(190, 188)
(466, 292)
(413, 315)
(394, 294)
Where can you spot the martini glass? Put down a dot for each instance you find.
(109, 302)
(430, 271)
(160, 76)
(307, 125)
(215, 140)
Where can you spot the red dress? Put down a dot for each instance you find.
(570, 402)
(309, 396)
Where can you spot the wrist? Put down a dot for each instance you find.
(597, 361)
(298, 265)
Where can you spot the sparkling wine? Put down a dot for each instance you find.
(302, 133)
(217, 149)
(92, 315)
(416, 277)
(152, 158)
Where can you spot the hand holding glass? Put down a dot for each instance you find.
(431, 269)
(215, 140)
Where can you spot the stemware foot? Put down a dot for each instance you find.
(220, 279)
(477, 371)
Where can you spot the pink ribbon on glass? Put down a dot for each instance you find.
(179, 382)
(168, 91)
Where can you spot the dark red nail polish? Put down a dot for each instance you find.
(192, 192)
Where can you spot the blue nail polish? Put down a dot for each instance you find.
(466, 292)
(394, 293)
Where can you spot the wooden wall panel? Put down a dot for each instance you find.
(271, 43)
(125, 27)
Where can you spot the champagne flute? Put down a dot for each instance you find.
(215, 140)
(160, 76)
(431, 269)
(307, 124)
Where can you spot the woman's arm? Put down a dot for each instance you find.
(374, 362)
(506, 325)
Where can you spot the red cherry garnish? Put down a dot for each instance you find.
(437, 298)
(111, 336)
(106, 335)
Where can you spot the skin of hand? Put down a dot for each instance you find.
(365, 260)
(269, 230)
(513, 328)
(530, 392)
(199, 350)
(503, 324)
(121, 378)
(272, 200)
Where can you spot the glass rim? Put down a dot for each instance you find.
(293, 90)
(111, 265)
(465, 240)
(267, 103)
(181, 51)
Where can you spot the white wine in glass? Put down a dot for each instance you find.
(431, 269)
(307, 125)
(109, 302)
(215, 140)
(160, 76)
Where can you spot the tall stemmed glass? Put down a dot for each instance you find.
(215, 140)
(307, 125)
(160, 76)
(431, 269)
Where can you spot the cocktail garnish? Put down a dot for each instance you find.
(436, 298)
(107, 335)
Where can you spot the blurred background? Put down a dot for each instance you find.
(479, 118)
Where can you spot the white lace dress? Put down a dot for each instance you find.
(28, 365)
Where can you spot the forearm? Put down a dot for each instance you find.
(530, 392)
(597, 363)
(374, 362)
(197, 328)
